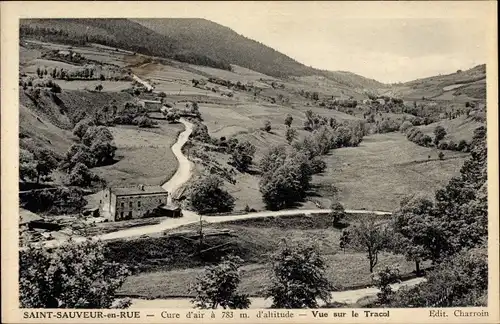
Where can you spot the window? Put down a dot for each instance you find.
(123, 204)
(130, 204)
(138, 204)
(130, 214)
(121, 215)
(159, 200)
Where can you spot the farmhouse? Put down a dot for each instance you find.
(132, 202)
(151, 105)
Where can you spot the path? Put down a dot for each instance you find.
(144, 83)
(347, 296)
(183, 172)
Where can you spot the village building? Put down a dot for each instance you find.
(152, 105)
(135, 202)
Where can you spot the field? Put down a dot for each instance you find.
(108, 86)
(144, 155)
(382, 170)
(256, 241)
(461, 128)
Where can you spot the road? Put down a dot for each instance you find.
(347, 296)
(144, 83)
(183, 172)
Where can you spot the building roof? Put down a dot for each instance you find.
(25, 217)
(138, 190)
(151, 101)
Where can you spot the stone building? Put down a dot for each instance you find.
(152, 105)
(131, 202)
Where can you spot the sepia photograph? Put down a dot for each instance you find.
(291, 159)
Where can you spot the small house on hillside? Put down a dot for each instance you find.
(151, 105)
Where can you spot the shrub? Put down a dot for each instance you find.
(70, 276)
(267, 126)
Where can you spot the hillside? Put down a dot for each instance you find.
(196, 41)
(466, 85)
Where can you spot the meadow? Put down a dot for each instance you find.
(382, 170)
(255, 241)
(144, 155)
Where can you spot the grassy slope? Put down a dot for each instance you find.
(255, 241)
(461, 128)
(472, 81)
(144, 155)
(384, 168)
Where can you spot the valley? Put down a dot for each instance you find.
(252, 151)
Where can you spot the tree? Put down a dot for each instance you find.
(439, 134)
(286, 176)
(195, 109)
(81, 128)
(345, 239)
(207, 196)
(383, 280)
(69, 276)
(172, 115)
(99, 87)
(288, 120)
(27, 165)
(242, 155)
(46, 162)
(290, 134)
(267, 126)
(441, 155)
(337, 213)
(100, 141)
(369, 237)
(77, 153)
(218, 285)
(299, 278)
(81, 176)
(461, 281)
(144, 122)
(416, 233)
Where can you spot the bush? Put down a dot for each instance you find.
(54, 201)
(317, 165)
(267, 126)
(70, 276)
(144, 122)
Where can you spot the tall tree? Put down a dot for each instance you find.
(371, 238)
(27, 165)
(299, 278)
(242, 155)
(217, 286)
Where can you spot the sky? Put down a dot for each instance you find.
(386, 41)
